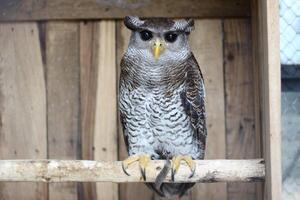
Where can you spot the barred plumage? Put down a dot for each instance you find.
(162, 101)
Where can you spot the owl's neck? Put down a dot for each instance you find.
(141, 72)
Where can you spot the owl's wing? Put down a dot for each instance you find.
(193, 100)
(122, 115)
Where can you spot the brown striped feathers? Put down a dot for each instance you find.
(161, 98)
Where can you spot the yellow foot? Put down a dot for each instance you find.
(176, 164)
(143, 162)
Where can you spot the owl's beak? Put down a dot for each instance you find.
(157, 49)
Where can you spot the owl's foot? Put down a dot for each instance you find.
(176, 164)
(143, 162)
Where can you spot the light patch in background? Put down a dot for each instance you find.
(290, 145)
(290, 32)
(290, 97)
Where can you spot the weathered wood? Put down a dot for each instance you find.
(15, 10)
(105, 130)
(88, 89)
(104, 171)
(22, 104)
(268, 63)
(239, 99)
(62, 61)
(186, 196)
(206, 44)
(257, 91)
(132, 191)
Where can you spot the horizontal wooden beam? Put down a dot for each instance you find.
(18, 10)
(100, 171)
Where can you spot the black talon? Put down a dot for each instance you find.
(173, 175)
(124, 170)
(193, 173)
(143, 172)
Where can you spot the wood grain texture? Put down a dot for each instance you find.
(186, 196)
(22, 104)
(88, 89)
(239, 85)
(257, 89)
(62, 61)
(207, 46)
(14, 10)
(105, 171)
(132, 191)
(105, 130)
(268, 63)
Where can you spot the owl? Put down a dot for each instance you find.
(161, 99)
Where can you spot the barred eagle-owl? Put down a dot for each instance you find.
(161, 98)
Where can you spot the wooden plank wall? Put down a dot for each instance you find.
(239, 98)
(58, 99)
(62, 81)
(23, 124)
(12, 10)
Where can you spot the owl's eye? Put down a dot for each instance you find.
(146, 35)
(170, 37)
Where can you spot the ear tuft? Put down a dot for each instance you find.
(185, 25)
(133, 22)
(191, 25)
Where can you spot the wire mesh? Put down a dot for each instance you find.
(290, 32)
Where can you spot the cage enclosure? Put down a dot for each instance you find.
(59, 67)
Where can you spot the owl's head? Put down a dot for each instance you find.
(159, 38)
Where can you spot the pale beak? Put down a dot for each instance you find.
(157, 49)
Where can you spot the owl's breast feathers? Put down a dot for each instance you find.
(186, 76)
(176, 119)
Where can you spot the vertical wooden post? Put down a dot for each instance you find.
(266, 21)
(62, 75)
(239, 83)
(98, 101)
(105, 128)
(257, 91)
(88, 90)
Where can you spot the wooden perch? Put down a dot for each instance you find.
(100, 171)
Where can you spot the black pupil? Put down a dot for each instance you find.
(146, 35)
(170, 37)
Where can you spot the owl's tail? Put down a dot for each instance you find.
(168, 189)
(162, 174)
